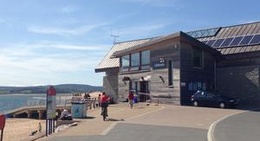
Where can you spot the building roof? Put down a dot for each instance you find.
(243, 38)
(109, 62)
(175, 36)
(229, 40)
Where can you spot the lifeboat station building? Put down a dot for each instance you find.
(170, 68)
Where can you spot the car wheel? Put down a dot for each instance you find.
(195, 103)
(222, 105)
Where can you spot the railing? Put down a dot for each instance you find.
(157, 99)
(60, 100)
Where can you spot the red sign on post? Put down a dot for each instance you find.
(51, 102)
(51, 91)
(2, 122)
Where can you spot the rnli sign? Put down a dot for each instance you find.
(51, 102)
(159, 64)
(2, 122)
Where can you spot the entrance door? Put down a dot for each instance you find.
(144, 91)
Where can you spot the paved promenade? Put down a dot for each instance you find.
(193, 121)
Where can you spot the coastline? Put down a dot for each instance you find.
(20, 129)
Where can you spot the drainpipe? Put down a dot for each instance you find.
(215, 74)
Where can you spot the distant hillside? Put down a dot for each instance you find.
(63, 88)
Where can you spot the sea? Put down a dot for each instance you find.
(9, 102)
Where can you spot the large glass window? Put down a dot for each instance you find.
(125, 62)
(135, 61)
(197, 58)
(145, 59)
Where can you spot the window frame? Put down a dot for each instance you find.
(127, 67)
(197, 63)
(147, 64)
(138, 64)
(135, 64)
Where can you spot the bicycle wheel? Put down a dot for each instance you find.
(104, 113)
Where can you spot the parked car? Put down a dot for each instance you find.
(210, 98)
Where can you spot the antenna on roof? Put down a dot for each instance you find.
(114, 36)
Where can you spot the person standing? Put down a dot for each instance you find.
(131, 99)
(40, 127)
(99, 100)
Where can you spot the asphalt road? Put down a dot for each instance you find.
(136, 132)
(171, 123)
(240, 127)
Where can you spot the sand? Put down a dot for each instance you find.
(20, 129)
(17, 129)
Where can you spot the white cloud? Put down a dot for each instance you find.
(64, 31)
(158, 3)
(141, 30)
(69, 9)
(64, 46)
(67, 58)
(23, 66)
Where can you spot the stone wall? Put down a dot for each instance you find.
(242, 82)
(110, 85)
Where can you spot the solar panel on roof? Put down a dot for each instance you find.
(226, 42)
(236, 41)
(210, 42)
(204, 33)
(205, 42)
(255, 40)
(246, 40)
(218, 43)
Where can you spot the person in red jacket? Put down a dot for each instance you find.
(104, 103)
(131, 99)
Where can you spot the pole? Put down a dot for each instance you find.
(46, 114)
(2, 134)
(53, 126)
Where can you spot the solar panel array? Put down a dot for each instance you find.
(204, 33)
(234, 41)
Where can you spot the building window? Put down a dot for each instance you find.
(125, 63)
(135, 61)
(145, 60)
(197, 58)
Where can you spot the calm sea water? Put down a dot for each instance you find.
(12, 101)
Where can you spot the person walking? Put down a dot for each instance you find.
(131, 99)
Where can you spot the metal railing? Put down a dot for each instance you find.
(60, 100)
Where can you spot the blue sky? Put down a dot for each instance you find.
(48, 42)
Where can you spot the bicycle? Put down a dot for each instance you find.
(104, 113)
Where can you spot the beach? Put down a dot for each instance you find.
(18, 129)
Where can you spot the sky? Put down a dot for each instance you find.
(50, 42)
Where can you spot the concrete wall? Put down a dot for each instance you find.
(110, 83)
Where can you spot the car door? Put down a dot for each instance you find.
(201, 98)
(211, 99)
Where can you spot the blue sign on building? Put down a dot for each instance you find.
(159, 64)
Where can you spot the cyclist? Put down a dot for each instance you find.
(104, 105)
